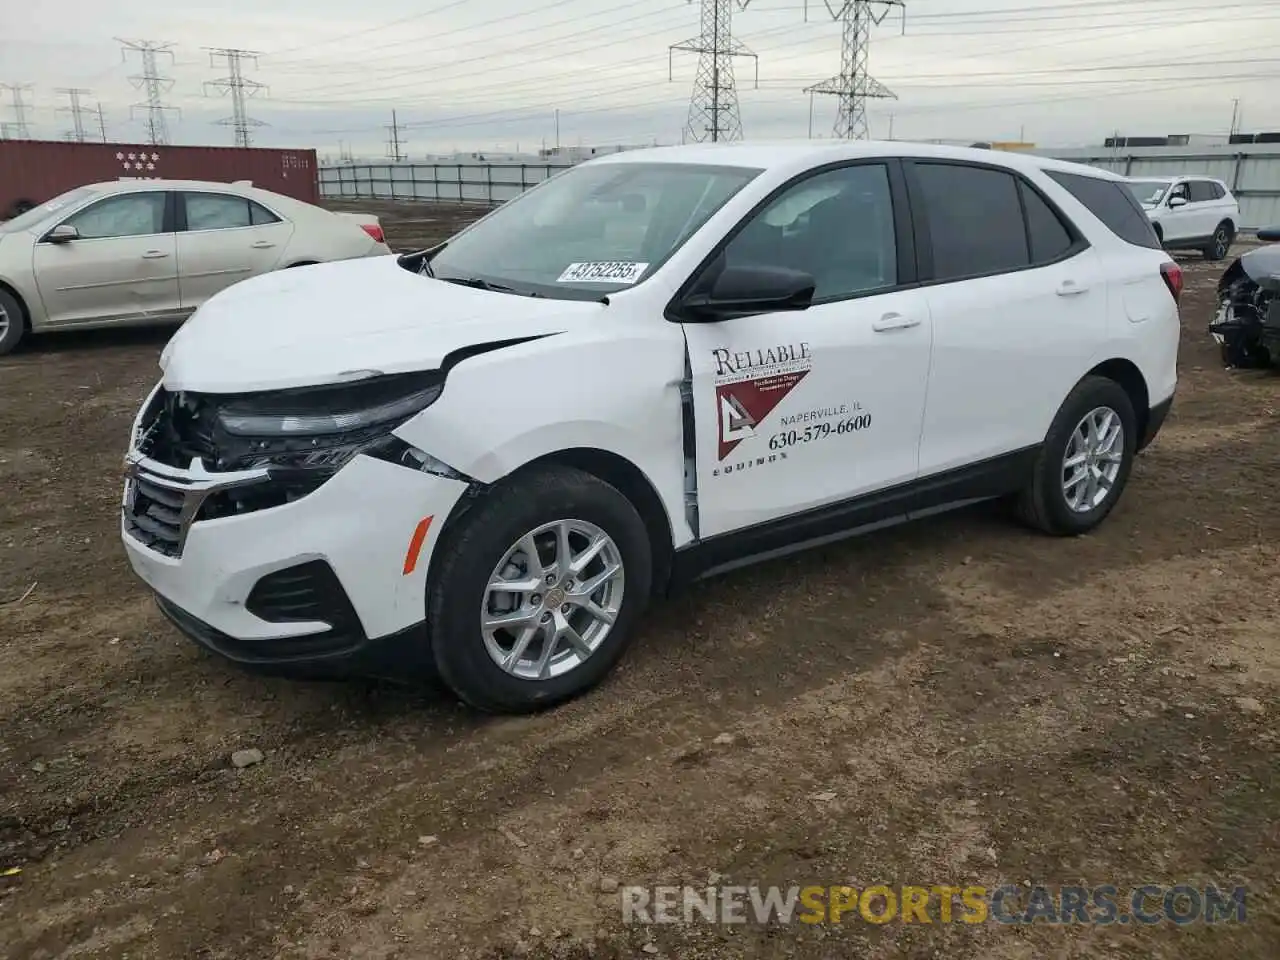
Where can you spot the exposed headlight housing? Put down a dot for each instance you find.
(385, 401)
(321, 428)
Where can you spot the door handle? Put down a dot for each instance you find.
(1069, 288)
(894, 321)
(154, 255)
(262, 244)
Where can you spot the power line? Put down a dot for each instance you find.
(854, 85)
(239, 88)
(713, 107)
(154, 84)
(19, 128)
(77, 111)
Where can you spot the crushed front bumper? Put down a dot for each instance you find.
(334, 582)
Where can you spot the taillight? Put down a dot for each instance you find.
(1172, 274)
(375, 231)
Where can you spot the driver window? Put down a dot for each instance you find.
(1179, 191)
(836, 226)
(124, 215)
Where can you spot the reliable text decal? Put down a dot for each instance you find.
(749, 386)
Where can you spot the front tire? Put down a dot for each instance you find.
(538, 590)
(1085, 462)
(13, 323)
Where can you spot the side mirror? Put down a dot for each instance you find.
(62, 233)
(1269, 234)
(1175, 202)
(743, 291)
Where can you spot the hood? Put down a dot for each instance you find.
(327, 323)
(1262, 266)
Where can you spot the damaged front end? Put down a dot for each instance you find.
(1247, 323)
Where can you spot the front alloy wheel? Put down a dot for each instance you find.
(552, 600)
(535, 588)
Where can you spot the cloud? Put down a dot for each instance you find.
(460, 76)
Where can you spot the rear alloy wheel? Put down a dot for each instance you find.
(1220, 245)
(13, 325)
(1085, 462)
(537, 590)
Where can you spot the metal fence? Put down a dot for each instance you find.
(1251, 170)
(476, 182)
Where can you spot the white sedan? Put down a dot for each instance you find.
(152, 251)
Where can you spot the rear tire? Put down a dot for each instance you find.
(1050, 503)
(1220, 245)
(485, 549)
(13, 323)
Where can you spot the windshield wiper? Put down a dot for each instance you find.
(481, 284)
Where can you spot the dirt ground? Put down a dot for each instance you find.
(957, 702)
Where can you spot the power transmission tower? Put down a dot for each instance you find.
(19, 128)
(394, 143)
(102, 122)
(154, 84)
(713, 108)
(77, 111)
(239, 88)
(855, 85)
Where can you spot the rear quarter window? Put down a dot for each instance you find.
(1112, 203)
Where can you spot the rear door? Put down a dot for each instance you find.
(223, 239)
(1018, 305)
(122, 267)
(1205, 206)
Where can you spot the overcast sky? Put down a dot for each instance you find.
(490, 74)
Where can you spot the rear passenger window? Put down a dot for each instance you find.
(260, 215)
(975, 220)
(1202, 191)
(1049, 236)
(1113, 204)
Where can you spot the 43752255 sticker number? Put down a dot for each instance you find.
(819, 431)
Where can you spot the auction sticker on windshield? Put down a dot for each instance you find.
(603, 271)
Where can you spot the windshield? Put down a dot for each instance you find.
(37, 215)
(1148, 191)
(592, 230)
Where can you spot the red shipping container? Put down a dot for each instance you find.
(34, 171)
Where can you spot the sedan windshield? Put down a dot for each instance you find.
(592, 230)
(1148, 191)
(37, 215)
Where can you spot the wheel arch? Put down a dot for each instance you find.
(1130, 378)
(12, 291)
(618, 472)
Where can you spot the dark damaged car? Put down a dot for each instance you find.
(1247, 322)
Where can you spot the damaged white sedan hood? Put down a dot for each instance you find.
(332, 322)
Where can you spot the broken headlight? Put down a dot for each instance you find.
(321, 428)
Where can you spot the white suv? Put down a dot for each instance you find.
(487, 458)
(1190, 213)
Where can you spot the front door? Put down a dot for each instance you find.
(797, 410)
(223, 239)
(122, 265)
(1179, 222)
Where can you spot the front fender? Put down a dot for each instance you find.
(617, 393)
